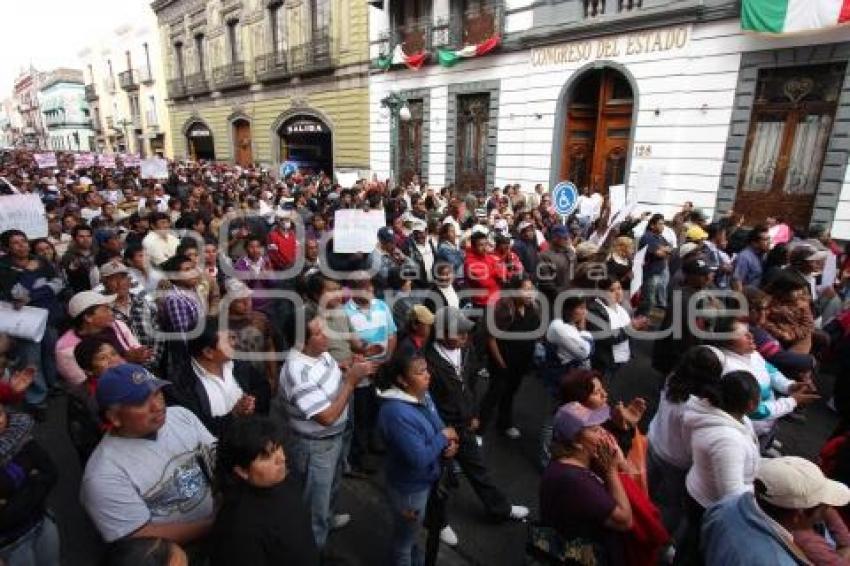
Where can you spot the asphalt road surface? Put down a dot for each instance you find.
(364, 542)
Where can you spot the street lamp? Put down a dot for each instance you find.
(399, 110)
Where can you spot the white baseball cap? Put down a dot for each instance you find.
(84, 300)
(797, 483)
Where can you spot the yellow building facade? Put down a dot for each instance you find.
(268, 81)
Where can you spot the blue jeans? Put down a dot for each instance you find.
(37, 547)
(653, 293)
(319, 463)
(30, 355)
(408, 512)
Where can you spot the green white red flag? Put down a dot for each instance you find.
(788, 16)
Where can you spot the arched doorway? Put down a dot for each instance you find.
(307, 141)
(199, 140)
(243, 154)
(597, 130)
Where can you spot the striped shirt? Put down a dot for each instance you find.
(308, 386)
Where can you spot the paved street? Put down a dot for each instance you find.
(481, 542)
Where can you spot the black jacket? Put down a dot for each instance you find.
(452, 393)
(23, 499)
(189, 392)
(604, 338)
(264, 527)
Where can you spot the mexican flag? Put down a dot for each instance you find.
(448, 57)
(399, 57)
(786, 16)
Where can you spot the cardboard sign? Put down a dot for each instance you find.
(84, 160)
(23, 212)
(347, 180)
(637, 271)
(107, 161)
(357, 230)
(44, 160)
(130, 160)
(154, 168)
(616, 199)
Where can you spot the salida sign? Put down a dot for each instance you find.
(304, 126)
(639, 43)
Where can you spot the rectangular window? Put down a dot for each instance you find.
(178, 57)
(199, 49)
(233, 40)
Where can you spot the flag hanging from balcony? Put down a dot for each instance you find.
(786, 16)
(448, 57)
(399, 57)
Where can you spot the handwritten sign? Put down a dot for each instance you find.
(347, 180)
(107, 161)
(627, 45)
(44, 160)
(84, 160)
(154, 168)
(357, 230)
(23, 212)
(130, 160)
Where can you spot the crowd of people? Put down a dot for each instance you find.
(225, 369)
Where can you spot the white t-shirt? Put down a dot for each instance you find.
(129, 482)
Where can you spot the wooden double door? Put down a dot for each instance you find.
(244, 156)
(598, 131)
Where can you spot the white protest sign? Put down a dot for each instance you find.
(83, 160)
(347, 180)
(357, 230)
(23, 212)
(44, 160)
(637, 271)
(616, 199)
(830, 271)
(107, 161)
(154, 168)
(130, 160)
(28, 323)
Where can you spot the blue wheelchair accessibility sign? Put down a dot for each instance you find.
(565, 198)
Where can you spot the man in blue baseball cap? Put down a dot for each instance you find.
(150, 475)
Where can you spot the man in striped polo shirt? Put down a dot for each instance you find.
(315, 393)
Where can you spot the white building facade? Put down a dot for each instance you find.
(65, 112)
(668, 97)
(126, 90)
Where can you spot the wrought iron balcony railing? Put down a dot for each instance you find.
(312, 57)
(197, 84)
(232, 75)
(129, 80)
(91, 93)
(177, 88)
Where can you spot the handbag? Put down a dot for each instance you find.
(545, 545)
(28, 323)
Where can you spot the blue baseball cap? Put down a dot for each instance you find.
(573, 417)
(126, 384)
(385, 234)
(560, 231)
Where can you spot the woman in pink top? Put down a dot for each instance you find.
(91, 315)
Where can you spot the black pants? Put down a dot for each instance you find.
(688, 552)
(365, 409)
(504, 384)
(469, 458)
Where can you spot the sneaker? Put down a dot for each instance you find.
(448, 536)
(513, 433)
(339, 521)
(479, 440)
(518, 512)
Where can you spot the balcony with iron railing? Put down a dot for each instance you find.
(129, 80)
(136, 121)
(145, 76)
(232, 75)
(177, 88)
(596, 8)
(472, 27)
(197, 83)
(312, 57)
(91, 92)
